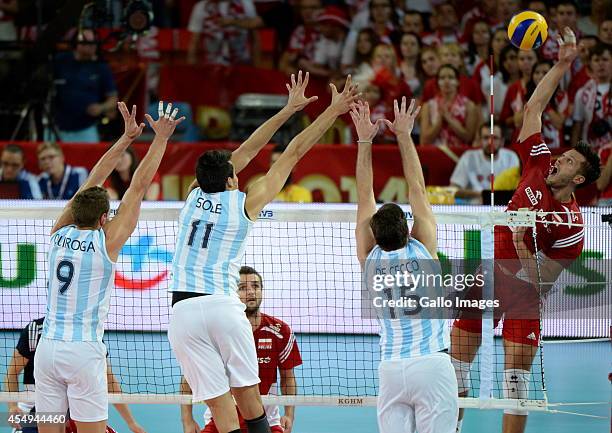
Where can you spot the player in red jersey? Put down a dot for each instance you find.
(559, 241)
(277, 350)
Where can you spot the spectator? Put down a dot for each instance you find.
(224, 25)
(446, 26)
(485, 10)
(429, 63)
(333, 25)
(479, 41)
(583, 73)
(58, 180)
(566, 15)
(366, 41)
(590, 24)
(11, 170)
(380, 17)
(482, 70)
(508, 74)
(303, 39)
(506, 9)
(378, 110)
(472, 174)
(605, 30)
(511, 115)
(291, 192)
(553, 117)
(413, 22)
(85, 91)
(119, 180)
(592, 106)
(604, 183)
(449, 118)
(451, 54)
(410, 49)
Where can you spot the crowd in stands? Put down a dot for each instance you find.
(437, 51)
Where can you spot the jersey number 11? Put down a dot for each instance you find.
(194, 229)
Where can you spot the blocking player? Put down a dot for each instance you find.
(277, 349)
(209, 332)
(417, 384)
(23, 360)
(559, 241)
(69, 363)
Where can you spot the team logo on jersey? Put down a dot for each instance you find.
(142, 265)
(533, 198)
(264, 344)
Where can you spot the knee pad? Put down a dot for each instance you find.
(462, 371)
(516, 386)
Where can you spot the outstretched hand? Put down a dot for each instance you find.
(366, 130)
(297, 100)
(342, 102)
(404, 118)
(132, 129)
(568, 50)
(167, 122)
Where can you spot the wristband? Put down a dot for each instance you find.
(364, 141)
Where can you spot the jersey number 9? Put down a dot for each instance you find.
(64, 277)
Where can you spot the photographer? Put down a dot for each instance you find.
(592, 105)
(85, 91)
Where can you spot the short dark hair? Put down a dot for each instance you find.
(567, 3)
(89, 205)
(599, 49)
(389, 227)
(591, 168)
(13, 148)
(247, 270)
(213, 169)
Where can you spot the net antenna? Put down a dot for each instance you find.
(492, 126)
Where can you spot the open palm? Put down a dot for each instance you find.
(297, 99)
(132, 129)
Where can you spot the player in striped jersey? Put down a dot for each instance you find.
(209, 332)
(70, 366)
(526, 269)
(417, 383)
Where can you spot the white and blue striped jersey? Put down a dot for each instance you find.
(405, 336)
(81, 277)
(212, 235)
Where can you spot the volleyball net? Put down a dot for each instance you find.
(312, 281)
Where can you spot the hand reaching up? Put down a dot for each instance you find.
(366, 130)
(404, 118)
(342, 102)
(297, 99)
(167, 122)
(132, 130)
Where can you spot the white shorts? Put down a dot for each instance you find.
(71, 374)
(418, 394)
(213, 342)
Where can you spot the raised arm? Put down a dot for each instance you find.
(107, 163)
(532, 116)
(424, 227)
(265, 189)
(262, 135)
(124, 223)
(366, 203)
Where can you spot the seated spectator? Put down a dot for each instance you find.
(119, 180)
(479, 41)
(589, 25)
(482, 72)
(472, 174)
(449, 118)
(485, 10)
(12, 171)
(58, 180)
(583, 74)
(592, 106)
(507, 75)
(410, 49)
(506, 9)
(366, 41)
(604, 183)
(413, 22)
(333, 25)
(451, 54)
(381, 17)
(303, 39)
(224, 26)
(556, 112)
(605, 30)
(291, 192)
(85, 92)
(566, 15)
(446, 26)
(511, 116)
(429, 63)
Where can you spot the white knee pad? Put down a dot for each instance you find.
(462, 371)
(516, 386)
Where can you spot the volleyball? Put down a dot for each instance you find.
(527, 30)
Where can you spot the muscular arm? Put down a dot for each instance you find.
(288, 387)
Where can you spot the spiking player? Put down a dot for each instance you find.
(209, 332)
(70, 360)
(560, 238)
(417, 384)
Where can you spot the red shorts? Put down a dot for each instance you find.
(212, 428)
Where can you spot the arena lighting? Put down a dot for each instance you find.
(138, 16)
